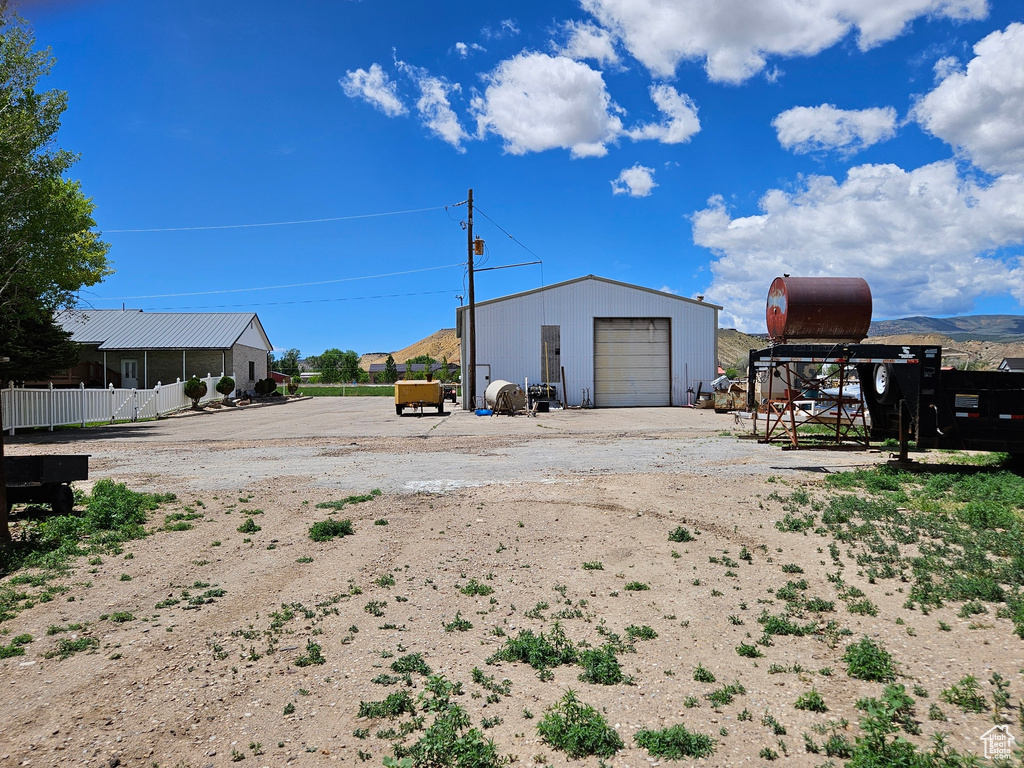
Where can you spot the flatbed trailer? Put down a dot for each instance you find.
(44, 480)
(909, 397)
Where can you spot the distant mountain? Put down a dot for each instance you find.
(1003, 328)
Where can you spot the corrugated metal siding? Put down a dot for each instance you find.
(508, 336)
(632, 362)
(133, 329)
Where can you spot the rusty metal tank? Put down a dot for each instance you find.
(825, 308)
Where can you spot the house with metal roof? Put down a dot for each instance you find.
(131, 348)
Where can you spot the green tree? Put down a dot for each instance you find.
(349, 366)
(390, 370)
(48, 250)
(288, 363)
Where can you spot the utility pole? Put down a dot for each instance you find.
(472, 311)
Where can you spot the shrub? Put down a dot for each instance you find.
(225, 386)
(326, 530)
(195, 390)
(539, 651)
(578, 729)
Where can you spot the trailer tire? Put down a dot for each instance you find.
(62, 500)
(440, 408)
(884, 383)
(398, 410)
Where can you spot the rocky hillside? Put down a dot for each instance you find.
(437, 345)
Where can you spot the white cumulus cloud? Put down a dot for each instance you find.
(536, 102)
(434, 106)
(637, 181)
(813, 129)
(980, 110)
(681, 121)
(734, 37)
(586, 40)
(923, 239)
(374, 87)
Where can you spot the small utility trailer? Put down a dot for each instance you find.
(44, 480)
(418, 394)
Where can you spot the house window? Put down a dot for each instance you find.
(252, 370)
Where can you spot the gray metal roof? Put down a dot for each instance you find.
(135, 329)
(661, 294)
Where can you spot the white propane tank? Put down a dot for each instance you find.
(498, 386)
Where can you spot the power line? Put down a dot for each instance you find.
(277, 223)
(275, 287)
(297, 301)
(510, 236)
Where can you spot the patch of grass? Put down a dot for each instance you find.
(325, 530)
(811, 701)
(386, 580)
(675, 743)
(394, 705)
(748, 651)
(380, 521)
(542, 651)
(336, 505)
(867, 660)
(112, 515)
(633, 632)
(413, 662)
(593, 566)
(249, 526)
(636, 586)
(723, 696)
(476, 589)
(578, 729)
(313, 655)
(375, 607)
(67, 647)
(703, 675)
(458, 624)
(966, 695)
(680, 535)
(600, 666)
(120, 617)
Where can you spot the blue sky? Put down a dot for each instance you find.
(692, 146)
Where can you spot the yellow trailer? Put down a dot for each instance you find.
(418, 394)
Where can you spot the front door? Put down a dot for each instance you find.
(129, 374)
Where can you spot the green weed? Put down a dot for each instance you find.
(675, 743)
(578, 729)
(325, 530)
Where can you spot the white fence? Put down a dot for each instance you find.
(25, 408)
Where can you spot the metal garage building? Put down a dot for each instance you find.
(627, 345)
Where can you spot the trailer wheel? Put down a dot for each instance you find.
(62, 500)
(440, 408)
(886, 389)
(398, 410)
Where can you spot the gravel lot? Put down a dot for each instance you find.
(561, 515)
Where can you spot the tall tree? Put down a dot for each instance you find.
(390, 370)
(48, 249)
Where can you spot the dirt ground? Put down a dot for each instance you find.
(517, 504)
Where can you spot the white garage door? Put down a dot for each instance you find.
(631, 362)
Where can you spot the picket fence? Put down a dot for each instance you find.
(25, 408)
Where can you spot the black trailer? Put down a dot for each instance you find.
(909, 396)
(44, 480)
